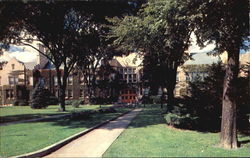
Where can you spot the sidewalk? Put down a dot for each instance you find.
(95, 143)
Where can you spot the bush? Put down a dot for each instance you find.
(52, 99)
(180, 117)
(70, 102)
(15, 103)
(81, 115)
(39, 98)
(108, 110)
(76, 103)
(155, 99)
(87, 114)
(20, 103)
(205, 102)
(23, 103)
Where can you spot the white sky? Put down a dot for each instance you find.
(28, 54)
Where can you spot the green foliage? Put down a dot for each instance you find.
(39, 98)
(70, 102)
(161, 32)
(148, 136)
(182, 121)
(76, 103)
(225, 22)
(17, 139)
(18, 113)
(155, 99)
(206, 99)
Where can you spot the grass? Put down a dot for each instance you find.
(149, 136)
(18, 113)
(28, 137)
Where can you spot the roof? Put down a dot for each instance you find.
(30, 65)
(132, 60)
(245, 58)
(202, 58)
(5, 57)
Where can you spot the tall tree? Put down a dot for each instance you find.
(59, 27)
(225, 22)
(66, 29)
(162, 33)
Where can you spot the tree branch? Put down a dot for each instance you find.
(27, 44)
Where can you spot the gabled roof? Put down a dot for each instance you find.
(202, 58)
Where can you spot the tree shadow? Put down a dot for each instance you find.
(244, 142)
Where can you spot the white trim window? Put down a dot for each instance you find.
(70, 80)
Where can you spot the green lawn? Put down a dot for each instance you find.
(18, 113)
(27, 137)
(149, 136)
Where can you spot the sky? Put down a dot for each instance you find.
(28, 54)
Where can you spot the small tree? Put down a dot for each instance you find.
(39, 98)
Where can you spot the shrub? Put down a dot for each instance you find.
(181, 121)
(15, 103)
(20, 103)
(76, 103)
(81, 115)
(23, 103)
(108, 110)
(52, 99)
(206, 99)
(39, 98)
(70, 102)
(180, 117)
(155, 99)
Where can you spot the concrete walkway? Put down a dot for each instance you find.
(95, 143)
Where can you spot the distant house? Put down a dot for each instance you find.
(130, 69)
(196, 69)
(15, 78)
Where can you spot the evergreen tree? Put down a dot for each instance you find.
(39, 98)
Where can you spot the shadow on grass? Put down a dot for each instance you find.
(22, 117)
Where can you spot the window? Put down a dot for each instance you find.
(70, 93)
(9, 94)
(0, 80)
(177, 76)
(70, 80)
(125, 77)
(13, 66)
(81, 93)
(81, 80)
(134, 76)
(55, 81)
(129, 70)
(121, 70)
(187, 78)
(13, 80)
(129, 76)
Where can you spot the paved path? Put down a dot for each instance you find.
(95, 143)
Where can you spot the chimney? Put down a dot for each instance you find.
(41, 59)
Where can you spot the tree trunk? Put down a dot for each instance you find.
(61, 91)
(228, 135)
(170, 88)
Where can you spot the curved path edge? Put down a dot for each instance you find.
(49, 149)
